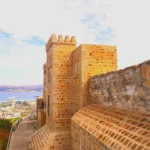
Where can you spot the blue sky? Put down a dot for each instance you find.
(25, 27)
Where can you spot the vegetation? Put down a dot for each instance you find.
(6, 124)
(24, 115)
(3, 144)
(13, 120)
(29, 109)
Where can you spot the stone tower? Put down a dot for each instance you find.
(58, 81)
(66, 73)
(13, 103)
(89, 60)
(58, 94)
(94, 104)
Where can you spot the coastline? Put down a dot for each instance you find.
(20, 91)
(19, 96)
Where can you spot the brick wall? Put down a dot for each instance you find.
(38, 108)
(89, 60)
(98, 127)
(59, 82)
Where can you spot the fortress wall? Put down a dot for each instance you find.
(89, 60)
(96, 59)
(59, 81)
(38, 107)
(49, 62)
(96, 127)
(56, 133)
(61, 85)
(126, 89)
(39, 102)
(76, 80)
(43, 115)
(44, 82)
(41, 120)
(46, 139)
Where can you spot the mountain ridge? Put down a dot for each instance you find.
(21, 88)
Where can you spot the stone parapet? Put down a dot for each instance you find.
(127, 89)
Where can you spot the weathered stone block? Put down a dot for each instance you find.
(126, 89)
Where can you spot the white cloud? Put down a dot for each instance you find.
(21, 63)
(127, 20)
(130, 20)
(27, 18)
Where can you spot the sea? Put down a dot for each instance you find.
(19, 96)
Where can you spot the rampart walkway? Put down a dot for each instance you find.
(19, 138)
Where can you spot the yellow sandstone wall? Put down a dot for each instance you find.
(66, 73)
(38, 103)
(58, 96)
(89, 60)
(44, 82)
(114, 122)
(59, 82)
(45, 88)
(41, 119)
(120, 117)
(76, 80)
(38, 106)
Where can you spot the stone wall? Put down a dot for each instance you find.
(76, 80)
(46, 139)
(127, 89)
(59, 81)
(57, 131)
(70, 84)
(44, 82)
(41, 120)
(89, 60)
(39, 103)
(38, 110)
(45, 88)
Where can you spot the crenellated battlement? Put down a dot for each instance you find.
(60, 40)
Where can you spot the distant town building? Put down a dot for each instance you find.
(0, 114)
(13, 102)
(9, 115)
(16, 114)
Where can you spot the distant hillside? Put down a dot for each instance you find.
(28, 88)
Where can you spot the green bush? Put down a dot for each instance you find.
(24, 115)
(5, 124)
(3, 144)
